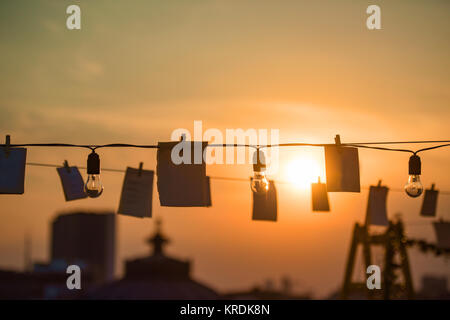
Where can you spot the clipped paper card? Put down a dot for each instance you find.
(442, 230)
(319, 197)
(137, 192)
(265, 204)
(12, 170)
(182, 184)
(376, 206)
(429, 203)
(342, 169)
(72, 183)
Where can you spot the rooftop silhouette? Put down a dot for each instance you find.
(157, 276)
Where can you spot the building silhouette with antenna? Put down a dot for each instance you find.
(156, 276)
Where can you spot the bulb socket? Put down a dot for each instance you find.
(93, 163)
(259, 165)
(415, 165)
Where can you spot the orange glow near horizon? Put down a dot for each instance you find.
(307, 72)
(301, 172)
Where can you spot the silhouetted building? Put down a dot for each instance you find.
(264, 294)
(47, 283)
(80, 238)
(269, 292)
(26, 285)
(156, 276)
(86, 239)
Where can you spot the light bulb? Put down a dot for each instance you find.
(260, 184)
(93, 186)
(414, 187)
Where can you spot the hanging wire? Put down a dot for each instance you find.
(381, 148)
(431, 148)
(366, 145)
(296, 144)
(38, 164)
(48, 165)
(408, 223)
(51, 145)
(356, 145)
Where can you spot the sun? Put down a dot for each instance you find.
(302, 172)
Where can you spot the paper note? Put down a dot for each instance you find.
(12, 170)
(72, 183)
(376, 207)
(442, 230)
(265, 204)
(182, 184)
(319, 197)
(342, 169)
(429, 203)
(137, 193)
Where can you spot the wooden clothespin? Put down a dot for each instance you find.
(337, 140)
(66, 165)
(141, 164)
(432, 186)
(379, 183)
(7, 145)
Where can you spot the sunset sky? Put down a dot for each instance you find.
(138, 70)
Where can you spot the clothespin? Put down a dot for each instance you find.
(432, 186)
(141, 164)
(318, 179)
(337, 140)
(66, 165)
(7, 145)
(379, 183)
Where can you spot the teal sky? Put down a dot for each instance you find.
(138, 70)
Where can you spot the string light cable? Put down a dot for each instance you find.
(49, 165)
(259, 182)
(295, 144)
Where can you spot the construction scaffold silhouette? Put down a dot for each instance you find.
(394, 244)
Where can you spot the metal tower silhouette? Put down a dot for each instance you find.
(395, 259)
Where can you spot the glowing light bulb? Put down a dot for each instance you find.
(93, 186)
(259, 182)
(414, 187)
